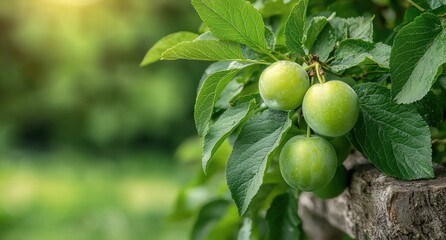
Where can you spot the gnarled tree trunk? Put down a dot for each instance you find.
(375, 206)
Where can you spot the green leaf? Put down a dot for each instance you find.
(434, 4)
(227, 227)
(270, 38)
(340, 27)
(316, 26)
(260, 200)
(282, 218)
(325, 43)
(189, 200)
(238, 86)
(213, 82)
(360, 28)
(353, 52)
(418, 52)
(233, 20)
(410, 15)
(222, 128)
(154, 54)
(320, 38)
(429, 107)
(245, 230)
(270, 8)
(208, 217)
(394, 137)
(354, 28)
(231, 91)
(428, 4)
(207, 48)
(295, 28)
(200, 189)
(253, 150)
(207, 97)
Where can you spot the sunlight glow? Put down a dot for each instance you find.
(79, 3)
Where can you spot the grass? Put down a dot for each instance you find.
(73, 196)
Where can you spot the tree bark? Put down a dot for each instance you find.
(375, 206)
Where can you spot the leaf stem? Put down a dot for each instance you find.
(253, 61)
(270, 55)
(417, 6)
(308, 131)
(439, 141)
(330, 59)
(331, 16)
(285, 57)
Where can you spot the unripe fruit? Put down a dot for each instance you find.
(331, 109)
(307, 163)
(283, 84)
(336, 186)
(342, 147)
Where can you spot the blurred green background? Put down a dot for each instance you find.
(87, 137)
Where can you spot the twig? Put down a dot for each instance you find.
(417, 6)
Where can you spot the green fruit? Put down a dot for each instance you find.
(307, 163)
(336, 186)
(331, 109)
(283, 85)
(342, 147)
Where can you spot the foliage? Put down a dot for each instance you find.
(73, 195)
(392, 71)
(70, 75)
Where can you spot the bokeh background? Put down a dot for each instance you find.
(87, 137)
(94, 147)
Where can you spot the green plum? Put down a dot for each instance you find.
(307, 163)
(331, 109)
(283, 84)
(342, 147)
(335, 187)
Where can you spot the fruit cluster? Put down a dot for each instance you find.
(330, 109)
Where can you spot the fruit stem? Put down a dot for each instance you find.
(310, 67)
(308, 131)
(319, 77)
